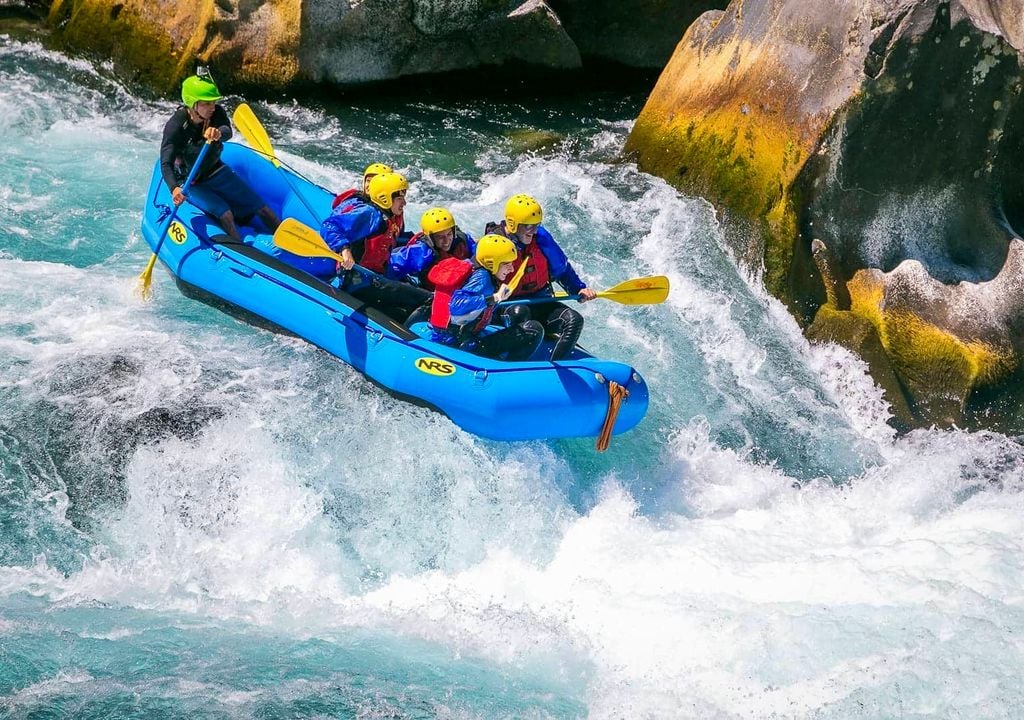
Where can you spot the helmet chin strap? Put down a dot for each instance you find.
(196, 118)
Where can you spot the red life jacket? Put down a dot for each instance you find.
(536, 276)
(458, 249)
(373, 252)
(342, 197)
(377, 248)
(448, 276)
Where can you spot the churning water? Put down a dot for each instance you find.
(199, 518)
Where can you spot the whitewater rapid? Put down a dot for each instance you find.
(221, 522)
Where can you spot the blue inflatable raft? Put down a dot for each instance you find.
(266, 285)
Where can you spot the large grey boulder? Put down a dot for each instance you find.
(277, 43)
(348, 43)
(890, 130)
(640, 33)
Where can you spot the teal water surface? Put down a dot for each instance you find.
(199, 518)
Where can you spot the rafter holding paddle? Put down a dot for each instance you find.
(300, 239)
(144, 289)
(651, 290)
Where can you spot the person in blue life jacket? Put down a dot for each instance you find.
(363, 229)
(371, 171)
(546, 263)
(465, 299)
(439, 238)
(216, 189)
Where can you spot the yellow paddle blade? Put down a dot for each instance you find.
(300, 239)
(254, 133)
(142, 288)
(514, 282)
(639, 291)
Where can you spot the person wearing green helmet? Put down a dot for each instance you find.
(216, 190)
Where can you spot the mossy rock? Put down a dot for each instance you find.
(938, 369)
(137, 47)
(705, 130)
(891, 137)
(530, 140)
(859, 335)
(157, 45)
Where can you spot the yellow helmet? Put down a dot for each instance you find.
(383, 186)
(493, 250)
(522, 209)
(436, 220)
(376, 169)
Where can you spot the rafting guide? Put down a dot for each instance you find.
(216, 189)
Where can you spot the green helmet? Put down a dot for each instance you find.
(196, 89)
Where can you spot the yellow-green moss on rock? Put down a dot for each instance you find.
(938, 369)
(860, 335)
(738, 161)
(159, 43)
(726, 120)
(109, 29)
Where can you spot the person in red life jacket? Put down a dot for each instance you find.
(465, 299)
(363, 229)
(216, 190)
(371, 171)
(546, 262)
(439, 238)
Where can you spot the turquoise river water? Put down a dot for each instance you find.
(202, 519)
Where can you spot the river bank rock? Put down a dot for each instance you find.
(890, 132)
(157, 42)
(280, 43)
(346, 43)
(639, 33)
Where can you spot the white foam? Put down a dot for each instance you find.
(312, 503)
(795, 600)
(113, 634)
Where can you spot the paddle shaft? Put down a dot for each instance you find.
(298, 193)
(256, 134)
(539, 300)
(174, 213)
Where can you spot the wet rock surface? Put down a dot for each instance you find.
(280, 43)
(641, 33)
(890, 132)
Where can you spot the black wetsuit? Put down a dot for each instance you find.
(183, 140)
